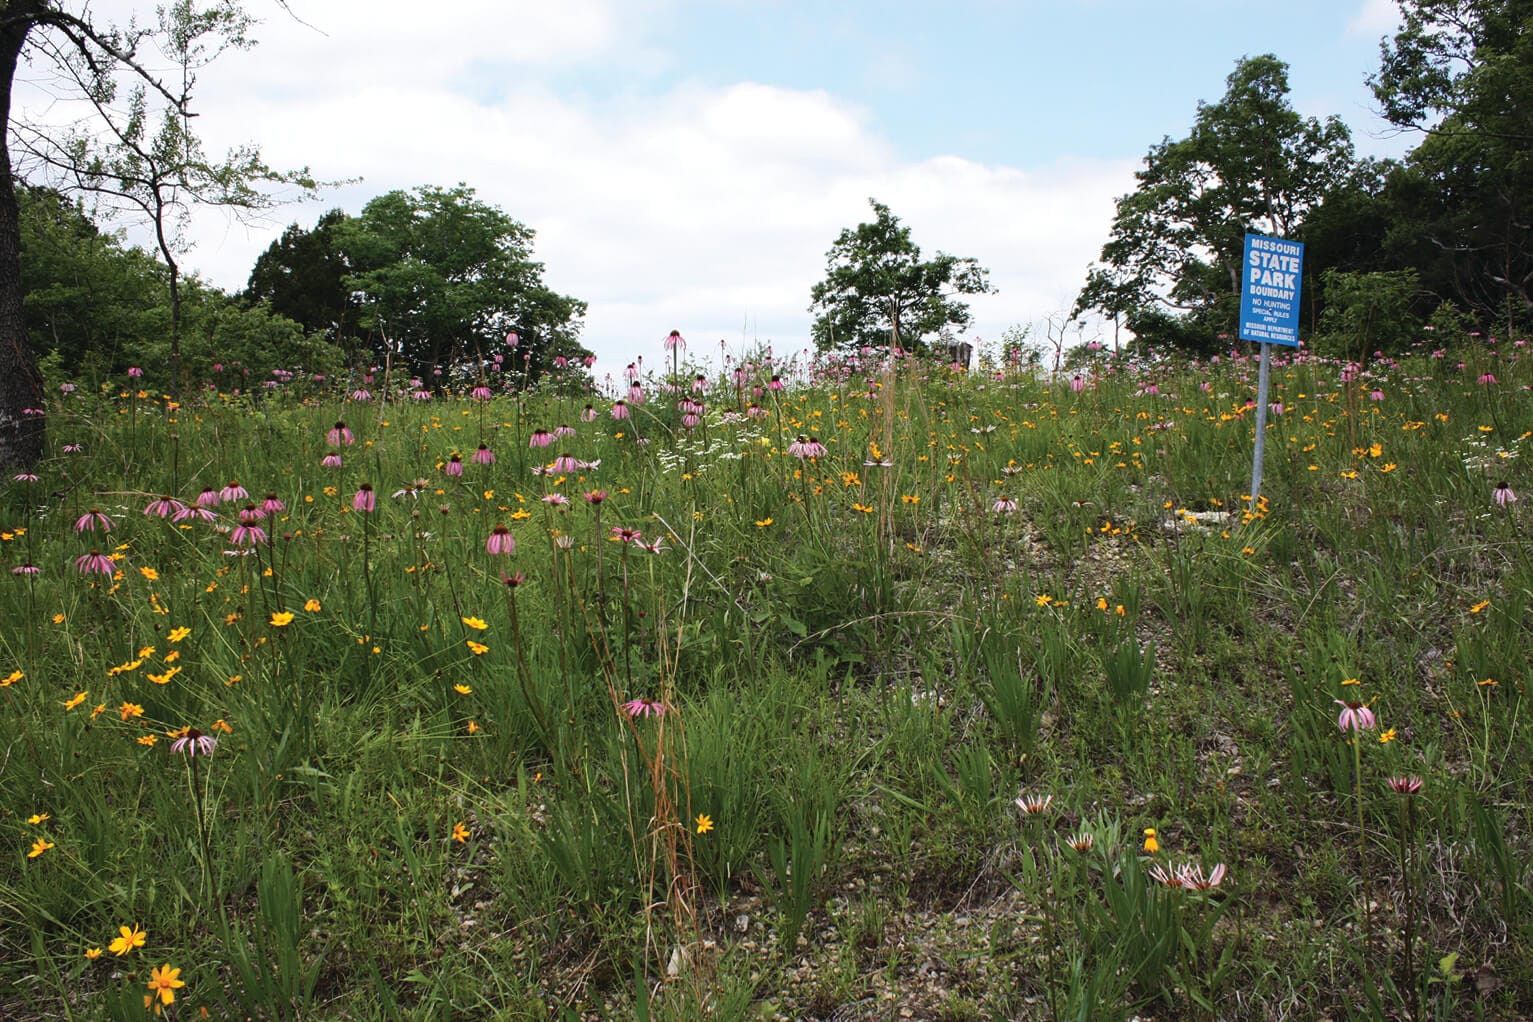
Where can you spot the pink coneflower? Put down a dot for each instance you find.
(480, 393)
(164, 507)
(690, 420)
(1004, 505)
(361, 395)
(135, 372)
(1077, 384)
(246, 534)
(596, 496)
(626, 534)
(339, 436)
(1486, 379)
(233, 491)
(454, 466)
(1193, 879)
(564, 542)
(565, 463)
(561, 361)
(205, 514)
(25, 477)
(250, 514)
(272, 506)
(1404, 785)
(1205, 386)
(331, 461)
(556, 500)
(656, 547)
(95, 562)
(365, 500)
(1377, 395)
(635, 394)
(512, 580)
(194, 743)
(755, 411)
(420, 394)
(776, 383)
(511, 339)
(1504, 494)
(26, 569)
(74, 448)
(620, 409)
(1354, 716)
(563, 430)
(674, 340)
(540, 438)
(501, 541)
(644, 706)
(699, 383)
(588, 414)
(1275, 407)
(806, 447)
(92, 520)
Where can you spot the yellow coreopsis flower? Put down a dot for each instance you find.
(150, 574)
(131, 710)
(281, 618)
(39, 846)
(462, 689)
(11, 679)
(312, 606)
(177, 634)
(478, 624)
(460, 833)
(163, 984)
(477, 648)
(704, 823)
(128, 938)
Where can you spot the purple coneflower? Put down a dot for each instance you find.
(1404, 785)
(1004, 505)
(1377, 395)
(74, 448)
(339, 436)
(501, 541)
(194, 743)
(484, 456)
(588, 414)
(513, 579)
(564, 463)
(26, 569)
(246, 534)
(644, 706)
(250, 514)
(164, 507)
(776, 383)
(365, 500)
(24, 477)
(135, 372)
(540, 438)
(361, 395)
(1487, 378)
(481, 393)
(626, 534)
(233, 491)
(1166, 878)
(95, 562)
(563, 430)
(556, 500)
(674, 340)
(272, 506)
(92, 520)
(331, 461)
(1077, 384)
(206, 514)
(596, 496)
(1504, 494)
(620, 409)
(635, 394)
(454, 466)
(1354, 716)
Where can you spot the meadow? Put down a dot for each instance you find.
(843, 690)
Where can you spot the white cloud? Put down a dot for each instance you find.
(1375, 18)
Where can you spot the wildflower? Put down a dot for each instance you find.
(93, 519)
(75, 700)
(556, 500)
(1354, 716)
(11, 679)
(281, 618)
(148, 741)
(177, 634)
(1404, 785)
(674, 340)
(26, 569)
(331, 461)
(1192, 877)
(625, 534)
(365, 500)
(477, 648)
(472, 727)
(476, 623)
(1081, 841)
(595, 497)
(93, 953)
(233, 491)
(95, 562)
(204, 513)
(704, 823)
(271, 505)
(481, 393)
(1032, 805)
(1486, 379)
(484, 456)
(361, 395)
(500, 542)
(1004, 505)
(463, 689)
(1043, 599)
(763, 523)
(74, 448)
(127, 940)
(164, 507)
(620, 409)
(39, 846)
(1474, 609)
(37, 818)
(1504, 494)
(454, 466)
(564, 463)
(311, 605)
(460, 833)
(163, 984)
(512, 580)
(1151, 844)
(339, 436)
(1166, 878)
(194, 743)
(131, 710)
(164, 679)
(644, 706)
(1077, 384)
(540, 438)
(1385, 737)
(150, 574)
(245, 534)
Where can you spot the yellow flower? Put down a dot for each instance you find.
(145, 652)
(11, 679)
(1043, 599)
(128, 939)
(147, 741)
(1389, 466)
(909, 499)
(478, 624)
(1385, 737)
(462, 689)
(150, 574)
(519, 514)
(37, 818)
(477, 648)
(177, 634)
(863, 508)
(473, 727)
(1150, 844)
(763, 523)
(131, 710)
(460, 833)
(1479, 606)
(163, 983)
(1488, 683)
(39, 846)
(704, 823)
(312, 606)
(281, 618)
(164, 679)
(58, 619)
(93, 953)
(1350, 681)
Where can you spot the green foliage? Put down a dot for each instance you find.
(878, 291)
(1368, 312)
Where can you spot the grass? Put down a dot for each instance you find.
(737, 734)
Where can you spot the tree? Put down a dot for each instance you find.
(1251, 163)
(1461, 72)
(431, 276)
(878, 291)
(141, 155)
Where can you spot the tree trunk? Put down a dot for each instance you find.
(21, 386)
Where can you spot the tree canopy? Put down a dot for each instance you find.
(878, 291)
(432, 276)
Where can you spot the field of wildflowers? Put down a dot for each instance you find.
(841, 690)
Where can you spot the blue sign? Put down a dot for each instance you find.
(1269, 299)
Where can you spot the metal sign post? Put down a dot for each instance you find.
(1269, 313)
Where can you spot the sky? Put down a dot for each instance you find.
(686, 164)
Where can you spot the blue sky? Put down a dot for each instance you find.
(686, 164)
